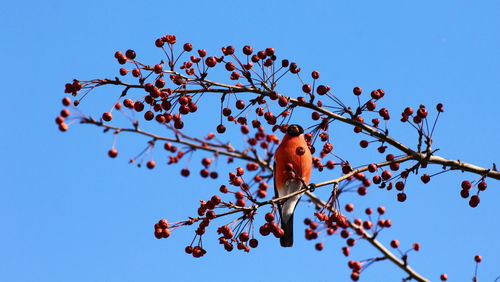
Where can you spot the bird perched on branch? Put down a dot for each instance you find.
(292, 170)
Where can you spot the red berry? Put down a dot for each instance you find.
(400, 185)
(362, 190)
(59, 120)
(416, 246)
(221, 128)
(188, 47)
(306, 88)
(394, 243)
(375, 94)
(372, 168)
(386, 175)
(204, 173)
(439, 107)
(349, 207)
(65, 113)
(482, 186)
(401, 197)
(253, 243)
(474, 201)
(300, 151)
(464, 194)
(223, 189)
(319, 246)
(211, 62)
(66, 101)
(130, 54)
(244, 236)
(322, 89)
(478, 258)
(466, 184)
(381, 210)
(159, 43)
(149, 115)
(363, 143)
(247, 50)
(112, 153)
(151, 164)
(138, 106)
(425, 178)
(240, 104)
(63, 127)
(269, 217)
(443, 277)
(370, 105)
(357, 90)
(202, 52)
(107, 116)
(315, 74)
(185, 172)
(158, 68)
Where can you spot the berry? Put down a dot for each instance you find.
(306, 88)
(400, 186)
(357, 90)
(269, 217)
(240, 104)
(372, 168)
(381, 210)
(482, 186)
(253, 243)
(107, 116)
(363, 143)
(466, 185)
(315, 74)
(130, 54)
(66, 101)
(416, 246)
(221, 128)
(247, 50)
(151, 164)
(474, 201)
(158, 68)
(401, 197)
(464, 194)
(349, 207)
(386, 175)
(112, 153)
(425, 178)
(394, 244)
(319, 246)
(478, 258)
(188, 47)
(322, 89)
(244, 236)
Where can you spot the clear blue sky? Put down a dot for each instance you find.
(69, 213)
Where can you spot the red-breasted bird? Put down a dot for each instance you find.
(293, 161)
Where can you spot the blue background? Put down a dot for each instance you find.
(69, 213)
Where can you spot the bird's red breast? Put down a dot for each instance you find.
(289, 152)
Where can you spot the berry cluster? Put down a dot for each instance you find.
(165, 92)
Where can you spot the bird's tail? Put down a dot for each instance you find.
(287, 239)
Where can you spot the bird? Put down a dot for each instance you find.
(292, 163)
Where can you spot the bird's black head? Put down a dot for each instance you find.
(294, 130)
